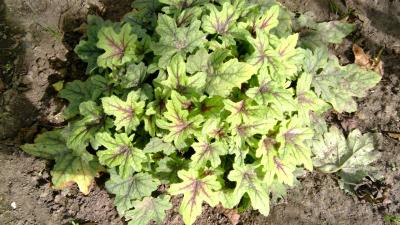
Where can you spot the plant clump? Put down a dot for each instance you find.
(220, 102)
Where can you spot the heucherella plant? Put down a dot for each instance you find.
(215, 101)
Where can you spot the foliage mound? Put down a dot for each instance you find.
(219, 101)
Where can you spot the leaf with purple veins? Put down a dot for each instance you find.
(195, 190)
(119, 46)
(247, 181)
(127, 113)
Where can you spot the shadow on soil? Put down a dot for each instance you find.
(17, 113)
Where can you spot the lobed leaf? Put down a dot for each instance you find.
(168, 167)
(127, 113)
(195, 191)
(316, 35)
(158, 145)
(149, 209)
(119, 46)
(83, 131)
(248, 182)
(222, 21)
(71, 165)
(226, 76)
(48, 145)
(77, 92)
(176, 40)
(333, 152)
(206, 151)
(292, 137)
(267, 21)
(120, 153)
(339, 84)
(130, 188)
(87, 49)
(178, 122)
(78, 169)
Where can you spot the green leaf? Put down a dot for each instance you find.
(307, 100)
(158, 145)
(179, 81)
(317, 35)
(279, 96)
(120, 153)
(242, 111)
(239, 149)
(281, 169)
(178, 122)
(350, 158)
(78, 169)
(82, 131)
(87, 49)
(144, 16)
(221, 76)
(71, 166)
(168, 167)
(266, 150)
(134, 76)
(339, 84)
(201, 61)
(292, 138)
(243, 133)
(130, 188)
(267, 21)
(127, 113)
(226, 76)
(278, 191)
(77, 92)
(195, 190)
(288, 55)
(349, 181)
(176, 40)
(333, 152)
(362, 151)
(48, 145)
(209, 107)
(179, 5)
(279, 55)
(222, 21)
(149, 209)
(207, 151)
(119, 46)
(248, 182)
(155, 109)
(334, 31)
(214, 128)
(185, 11)
(263, 53)
(189, 15)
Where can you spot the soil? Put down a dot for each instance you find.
(36, 42)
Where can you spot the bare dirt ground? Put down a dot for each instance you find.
(36, 42)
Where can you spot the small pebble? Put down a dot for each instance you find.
(13, 205)
(58, 199)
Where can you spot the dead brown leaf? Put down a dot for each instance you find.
(394, 135)
(231, 214)
(373, 191)
(364, 60)
(2, 86)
